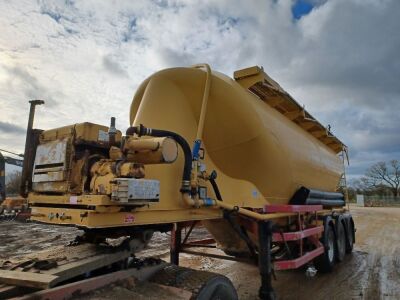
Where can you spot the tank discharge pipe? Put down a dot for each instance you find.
(205, 100)
(187, 169)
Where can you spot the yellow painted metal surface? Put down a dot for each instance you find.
(258, 82)
(260, 155)
(261, 152)
(81, 132)
(106, 217)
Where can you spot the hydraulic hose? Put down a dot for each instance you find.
(216, 189)
(214, 185)
(141, 130)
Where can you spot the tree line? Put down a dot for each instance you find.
(381, 179)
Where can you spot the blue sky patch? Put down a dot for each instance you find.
(301, 8)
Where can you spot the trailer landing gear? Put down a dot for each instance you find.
(266, 291)
(202, 284)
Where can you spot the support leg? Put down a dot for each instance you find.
(266, 291)
(175, 244)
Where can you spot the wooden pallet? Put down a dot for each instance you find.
(49, 268)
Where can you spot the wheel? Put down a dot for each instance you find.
(340, 240)
(350, 236)
(241, 254)
(146, 236)
(325, 262)
(217, 288)
(202, 284)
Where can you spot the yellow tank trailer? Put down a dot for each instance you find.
(232, 153)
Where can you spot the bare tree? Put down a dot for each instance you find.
(13, 183)
(383, 174)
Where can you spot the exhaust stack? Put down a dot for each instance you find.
(29, 153)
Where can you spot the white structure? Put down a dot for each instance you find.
(360, 200)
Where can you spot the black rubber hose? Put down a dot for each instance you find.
(187, 169)
(216, 189)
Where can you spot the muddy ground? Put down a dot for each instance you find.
(372, 271)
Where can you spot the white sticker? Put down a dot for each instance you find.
(73, 200)
(103, 136)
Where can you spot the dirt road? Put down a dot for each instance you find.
(371, 272)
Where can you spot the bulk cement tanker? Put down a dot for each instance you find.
(240, 155)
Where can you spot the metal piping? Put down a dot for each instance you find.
(142, 130)
(252, 214)
(185, 188)
(112, 131)
(187, 198)
(28, 160)
(2, 178)
(205, 100)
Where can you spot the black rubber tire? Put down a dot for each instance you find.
(202, 284)
(340, 240)
(242, 254)
(217, 288)
(146, 236)
(350, 236)
(326, 261)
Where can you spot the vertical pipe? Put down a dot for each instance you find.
(266, 291)
(2, 178)
(205, 100)
(112, 131)
(28, 160)
(175, 244)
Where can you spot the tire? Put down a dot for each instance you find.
(217, 288)
(340, 240)
(326, 261)
(350, 236)
(146, 236)
(237, 254)
(202, 284)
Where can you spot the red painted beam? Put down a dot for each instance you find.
(298, 262)
(298, 235)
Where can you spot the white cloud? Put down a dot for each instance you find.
(86, 58)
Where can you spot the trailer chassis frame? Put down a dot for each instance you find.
(268, 235)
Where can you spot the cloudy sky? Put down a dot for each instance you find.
(340, 58)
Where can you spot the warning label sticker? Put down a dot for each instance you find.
(129, 218)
